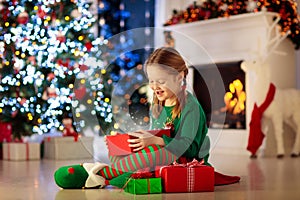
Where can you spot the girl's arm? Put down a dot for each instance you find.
(191, 134)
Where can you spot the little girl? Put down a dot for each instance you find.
(173, 105)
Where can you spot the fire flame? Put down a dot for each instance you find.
(235, 99)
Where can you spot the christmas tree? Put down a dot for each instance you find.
(106, 103)
(42, 46)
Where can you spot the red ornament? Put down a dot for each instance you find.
(80, 92)
(23, 18)
(50, 76)
(83, 68)
(32, 60)
(63, 63)
(88, 46)
(5, 13)
(41, 13)
(60, 37)
(23, 101)
(14, 113)
(283, 14)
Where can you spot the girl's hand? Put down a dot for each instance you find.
(105, 141)
(143, 139)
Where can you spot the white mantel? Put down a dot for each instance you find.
(239, 37)
(243, 36)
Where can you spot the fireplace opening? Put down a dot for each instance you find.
(217, 103)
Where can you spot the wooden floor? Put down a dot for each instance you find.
(262, 178)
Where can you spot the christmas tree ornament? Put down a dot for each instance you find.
(60, 37)
(88, 46)
(80, 92)
(50, 76)
(23, 18)
(68, 128)
(41, 13)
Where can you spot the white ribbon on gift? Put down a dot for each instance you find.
(190, 179)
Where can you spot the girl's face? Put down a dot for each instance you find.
(164, 85)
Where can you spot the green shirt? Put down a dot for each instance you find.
(190, 136)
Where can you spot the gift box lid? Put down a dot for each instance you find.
(118, 145)
(68, 139)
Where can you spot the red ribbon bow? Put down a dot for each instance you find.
(140, 175)
(193, 163)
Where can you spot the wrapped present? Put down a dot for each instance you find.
(190, 177)
(5, 132)
(68, 148)
(143, 183)
(21, 151)
(118, 145)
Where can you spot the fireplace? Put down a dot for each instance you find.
(231, 103)
(222, 41)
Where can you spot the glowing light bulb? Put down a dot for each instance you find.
(89, 101)
(81, 37)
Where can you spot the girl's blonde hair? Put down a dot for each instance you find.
(168, 58)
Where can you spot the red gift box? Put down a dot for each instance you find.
(191, 177)
(118, 145)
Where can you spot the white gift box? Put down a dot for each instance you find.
(68, 148)
(21, 151)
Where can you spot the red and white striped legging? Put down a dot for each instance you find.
(149, 157)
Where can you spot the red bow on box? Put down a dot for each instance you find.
(139, 175)
(193, 163)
